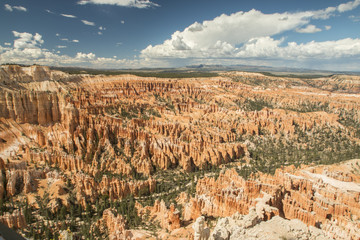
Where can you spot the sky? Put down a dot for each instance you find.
(118, 34)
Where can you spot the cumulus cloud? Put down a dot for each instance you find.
(61, 46)
(26, 46)
(308, 29)
(11, 8)
(7, 44)
(100, 33)
(259, 47)
(88, 23)
(122, 3)
(68, 15)
(226, 31)
(2, 49)
(245, 35)
(27, 50)
(75, 41)
(84, 56)
(267, 47)
(27, 40)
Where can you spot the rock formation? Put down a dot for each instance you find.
(75, 142)
(313, 195)
(241, 227)
(201, 233)
(30, 107)
(168, 218)
(14, 220)
(115, 225)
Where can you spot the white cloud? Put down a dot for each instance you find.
(248, 37)
(27, 50)
(308, 29)
(348, 6)
(38, 38)
(2, 49)
(84, 56)
(7, 44)
(11, 8)
(61, 46)
(355, 18)
(102, 28)
(20, 8)
(8, 7)
(324, 13)
(240, 34)
(243, 37)
(100, 33)
(67, 39)
(118, 44)
(26, 46)
(122, 3)
(88, 23)
(27, 40)
(259, 47)
(226, 31)
(267, 47)
(48, 11)
(122, 22)
(68, 15)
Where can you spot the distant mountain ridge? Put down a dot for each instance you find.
(281, 71)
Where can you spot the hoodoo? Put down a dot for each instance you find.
(237, 155)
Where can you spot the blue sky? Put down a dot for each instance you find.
(319, 34)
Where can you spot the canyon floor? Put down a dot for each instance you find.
(231, 155)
